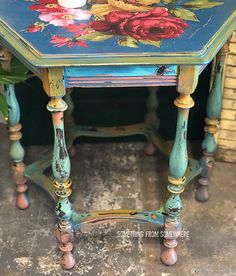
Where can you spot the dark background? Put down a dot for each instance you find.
(108, 107)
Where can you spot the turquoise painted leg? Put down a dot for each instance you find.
(17, 152)
(151, 117)
(69, 120)
(62, 183)
(177, 164)
(213, 111)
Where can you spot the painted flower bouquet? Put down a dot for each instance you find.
(130, 22)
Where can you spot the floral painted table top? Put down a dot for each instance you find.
(117, 31)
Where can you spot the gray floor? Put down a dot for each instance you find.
(113, 176)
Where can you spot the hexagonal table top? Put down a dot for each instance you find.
(117, 31)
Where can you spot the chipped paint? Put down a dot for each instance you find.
(62, 150)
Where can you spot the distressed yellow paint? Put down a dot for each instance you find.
(5, 59)
(57, 104)
(184, 101)
(188, 78)
(53, 83)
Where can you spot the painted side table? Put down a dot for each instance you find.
(108, 44)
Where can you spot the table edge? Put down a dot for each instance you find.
(29, 55)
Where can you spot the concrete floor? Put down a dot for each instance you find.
(113, 176)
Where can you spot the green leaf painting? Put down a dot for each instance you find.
(95, 36)
(197, 5)
(166, 2)
(128, 41)
(151, 42)
(184, 14)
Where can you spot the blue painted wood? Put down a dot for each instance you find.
(145, 75)
(17, 152)
(64, 209)
(213, 108)
(179, 158)
(173, 206)
(61, 160)
(13, 106)
(126, 76)
(122, 71)
(31, 34)
(178, 168)
(209, 144)
(119, 82)
(152, 75)
(212, 19)
(214, 102)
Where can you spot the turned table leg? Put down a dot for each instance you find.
(213, 111)
(17, 152)
(69, 120)
(54, 87)
(62, 183)
(178, 163)
(151, 117)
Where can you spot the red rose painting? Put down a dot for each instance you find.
(129, 22)
(153, 25)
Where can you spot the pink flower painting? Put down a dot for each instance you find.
(64, 18)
